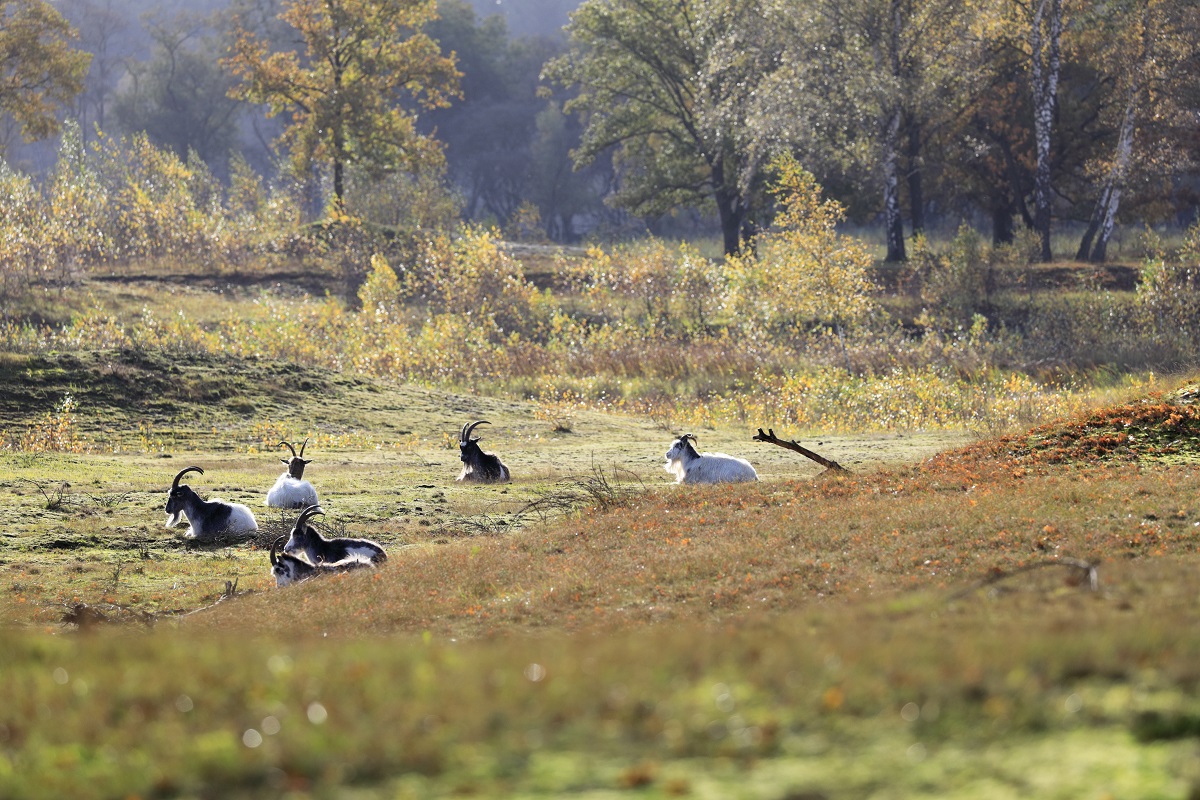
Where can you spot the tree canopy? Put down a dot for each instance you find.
(40, 69)
(350, 92)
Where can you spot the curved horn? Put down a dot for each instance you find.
(310, 511)
(288, 445)
(467, 430)
(274, 544)
(302, 446)
(182, 472)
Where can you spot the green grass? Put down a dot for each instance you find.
(914, 628)
(869, 635)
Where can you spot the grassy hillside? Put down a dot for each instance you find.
(888, 632)
(955, 616)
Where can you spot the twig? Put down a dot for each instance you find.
(771, 438)
(1086, 567)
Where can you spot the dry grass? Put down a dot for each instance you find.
(828, 635)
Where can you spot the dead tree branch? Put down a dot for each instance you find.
(1085, 570)
(770, 438)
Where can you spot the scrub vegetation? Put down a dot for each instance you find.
(963, 613)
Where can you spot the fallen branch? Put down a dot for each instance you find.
(1087, 573)
(770, 438)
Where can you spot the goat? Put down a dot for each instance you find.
(290, 489)
(207, 519)
(306, 541)
(688, 466)
(289, 569)
(478, 466)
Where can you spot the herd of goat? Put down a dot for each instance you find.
(307, 553)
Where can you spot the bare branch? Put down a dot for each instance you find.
(770, 438)
(1086, 570)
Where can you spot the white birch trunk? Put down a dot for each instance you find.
(1045, 66)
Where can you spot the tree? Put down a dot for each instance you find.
(362, 60)
(864, 84)
(649, 88)
(39, 69)
(488, 135)
(1146, 44)
(179, 98)
(105, 31)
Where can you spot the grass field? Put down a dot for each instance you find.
(953, 617)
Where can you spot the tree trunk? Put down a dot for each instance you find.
(892, 220)
(1045, 63)
(339, 184)
(1002, 224)
(1110, 198)
(1100, 251)
(916, 191)
(1085, 243)
(730, 210)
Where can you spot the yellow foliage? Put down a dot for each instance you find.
(804, 271)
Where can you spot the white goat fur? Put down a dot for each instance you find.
(290, 489)
(306, 541)
(288, 492)
(688, 466)
(289, 569)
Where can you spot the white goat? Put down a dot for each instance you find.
(306, 541)
(289, 569)
(209, 519)
(688, 466)
(290, 489)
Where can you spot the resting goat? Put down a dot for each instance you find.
(207, 519)
(291, 490)
(306, 541)
(478, 466)
(688, 466)
(289, 569)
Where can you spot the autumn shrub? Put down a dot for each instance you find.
(1167, 304)
(804, 272)
(24, 252)
(651, 286)
(953, 282)
(470, 276)
(57, 431)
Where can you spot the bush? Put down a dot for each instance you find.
(804, 273)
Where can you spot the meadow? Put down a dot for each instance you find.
(995, 599)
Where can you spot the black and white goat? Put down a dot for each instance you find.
(207, 519)
(688, 466)
(306, 541)
(289, 569)
(478, 466)
(290, 489)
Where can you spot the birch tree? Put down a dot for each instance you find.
(862, 84)
(1144, 47)
(1045, 65)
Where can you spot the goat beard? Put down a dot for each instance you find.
(174, 519)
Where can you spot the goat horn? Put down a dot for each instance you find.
(302, 446)
(274, 544)
(182, 472)
(309, 512)
(288, 445)
(467, 430)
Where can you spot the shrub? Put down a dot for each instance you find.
(804, 272)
